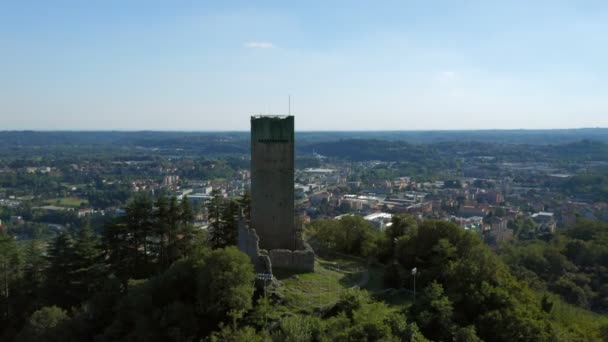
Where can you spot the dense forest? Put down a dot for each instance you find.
(151, 277)
(572, 264)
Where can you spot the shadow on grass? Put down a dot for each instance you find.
(283, 273)
(350, 279)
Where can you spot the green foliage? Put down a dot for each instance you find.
(223, 215)
(356, 317)
(187, 301)
(523, 227)
(61, 284)
(466, 334)
(42, 323)
(33, 271)
(232, 334)
(191, 292)
(433, 312)
(225, 283)
(572, 264)
(351, 235)
(88, 265)
(149, 238)
(298, 328)
(216, 230)
(262, 313)
(478, 286)
(230, 223)
(591, 186)
(10, 273)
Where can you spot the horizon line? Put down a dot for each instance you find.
(110, 130)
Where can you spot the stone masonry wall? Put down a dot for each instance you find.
(301, 260)
(249, 244)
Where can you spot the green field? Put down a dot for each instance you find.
(66, 201)
(309, 291)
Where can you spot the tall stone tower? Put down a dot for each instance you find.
(272, 181)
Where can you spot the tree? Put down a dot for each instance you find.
(88, 264)
(229, 223)
(162, 230)
(433, 312)
(118, 245)
(245, 205)
(173, 219)
(351, 234)
(401, 224)
(186, 214)
(10, 269)
(139, 220)
(41, 324)
(466, 334)
(186, 229)
(299, 328)
(186, 302)
(546, 304)
(33, 275)
(61, 289)
(229, 333)
(461, 275)
(225, 283)
(214, 209)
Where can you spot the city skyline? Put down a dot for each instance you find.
(347, 66)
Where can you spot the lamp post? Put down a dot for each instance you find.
(414, 272)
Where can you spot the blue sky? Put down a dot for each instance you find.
(348, 65)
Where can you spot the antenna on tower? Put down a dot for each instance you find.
(289, 104)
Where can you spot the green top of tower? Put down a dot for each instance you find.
(272, 129)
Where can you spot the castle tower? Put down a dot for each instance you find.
(272, 181)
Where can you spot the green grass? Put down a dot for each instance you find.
(585, 322)
(305, 293)
(66, 201)
(309, 291)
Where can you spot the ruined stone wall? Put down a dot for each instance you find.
(301, 260)
(248, 242)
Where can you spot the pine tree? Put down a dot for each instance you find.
(186, 228)
(186, 213)
(33, 273)
(88, 267)
(173, 219)
(141, 226)
(162, 227)
(214, 209)
(229, 224)
(245, 205)
(10, 262)
(118, 254)
(60, 275)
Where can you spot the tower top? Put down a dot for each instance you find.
(270, 116)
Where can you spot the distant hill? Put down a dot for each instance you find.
(240, 140)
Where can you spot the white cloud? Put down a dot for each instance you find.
(447, 76)
(259, 45)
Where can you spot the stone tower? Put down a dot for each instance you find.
(272, 181)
